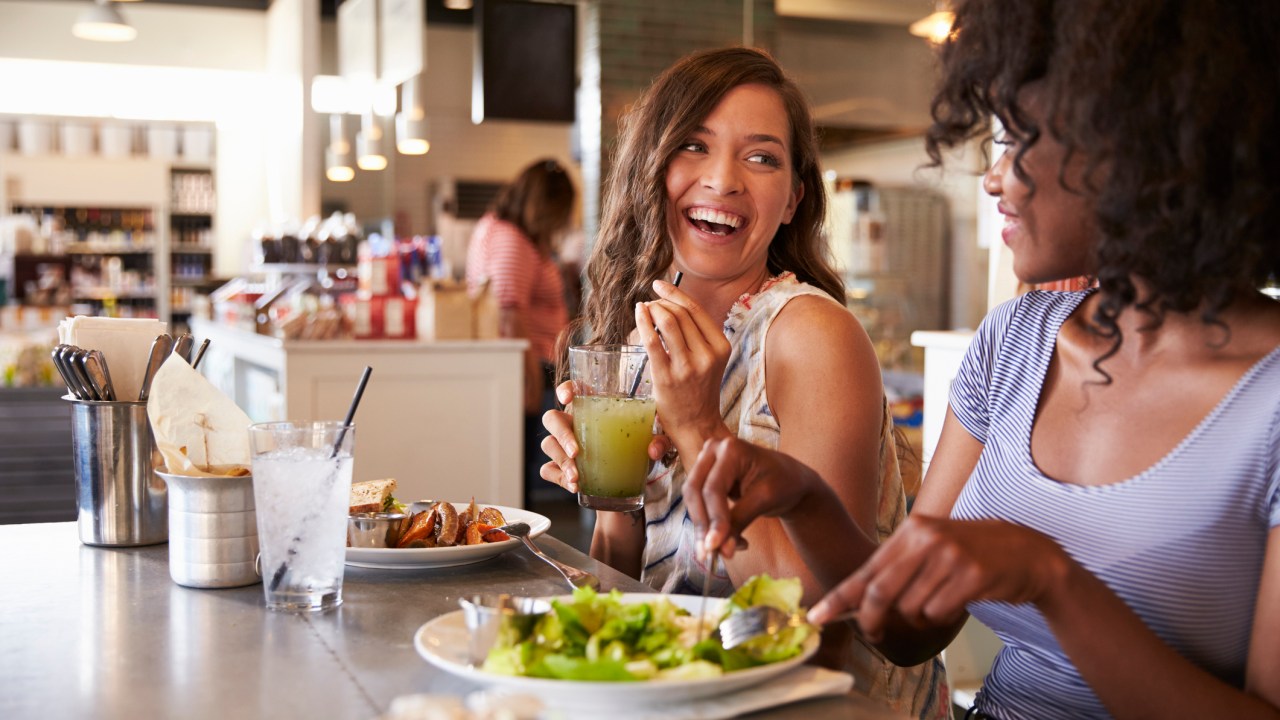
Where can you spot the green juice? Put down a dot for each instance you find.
(613, 438)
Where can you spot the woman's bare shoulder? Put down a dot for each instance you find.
(811, 332)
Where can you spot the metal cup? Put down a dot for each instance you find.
(490, 617)
(119, 499)
(213, 531)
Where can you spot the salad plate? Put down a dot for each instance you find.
(442, 557)
(443, 642)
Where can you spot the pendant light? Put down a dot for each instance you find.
(337, 157)
(103, 23)
(411, 121)
(369, 143)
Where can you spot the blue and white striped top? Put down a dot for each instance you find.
(1182, 543)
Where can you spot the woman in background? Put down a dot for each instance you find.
(1105, 494)
(512, 251)
(717, 177)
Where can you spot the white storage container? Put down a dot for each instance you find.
(34, 137)
(116, 139)
(77, 138)
(197, 144)
(162, 142)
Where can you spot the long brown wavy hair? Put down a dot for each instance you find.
(633, 248)
(1175, 106)
(538, 202)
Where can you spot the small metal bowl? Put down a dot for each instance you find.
(374, 530)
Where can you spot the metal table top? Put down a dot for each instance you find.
(104, 633)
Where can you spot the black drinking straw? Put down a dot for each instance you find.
(351, 411)
(342, 433)
(635, 384)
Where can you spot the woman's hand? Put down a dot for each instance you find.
(562, 447)
(687, 356)
(931, 568)
(734, 482)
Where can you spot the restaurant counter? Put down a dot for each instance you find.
(445, 419)
(104, 633)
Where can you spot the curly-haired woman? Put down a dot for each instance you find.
(1105, 494)
(716, 176)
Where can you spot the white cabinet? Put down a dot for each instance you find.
(943, 351)
(443, 418)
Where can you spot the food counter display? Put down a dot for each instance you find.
(444, 418)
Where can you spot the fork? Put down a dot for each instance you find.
(577, 578)
(763, 620)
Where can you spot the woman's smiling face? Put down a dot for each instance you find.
(730, 185)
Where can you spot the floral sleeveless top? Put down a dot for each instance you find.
(670, 562)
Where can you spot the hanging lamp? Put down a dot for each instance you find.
(411, 121)
(369, 155)
(102, 22)
(337, 157)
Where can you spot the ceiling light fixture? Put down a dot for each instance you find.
(411, 121)
(103, 23)
(369, 143)
(458, 4)
(337, 157)
(935, 27)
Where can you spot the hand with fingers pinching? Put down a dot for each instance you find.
(931, 568)
(733, 483)
(688, 352)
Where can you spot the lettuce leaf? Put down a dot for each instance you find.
(596, 637)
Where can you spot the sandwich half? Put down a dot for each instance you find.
(371, 495)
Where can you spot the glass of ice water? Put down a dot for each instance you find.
(301, 490)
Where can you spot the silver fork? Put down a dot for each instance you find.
(577, 578)
(763, 620)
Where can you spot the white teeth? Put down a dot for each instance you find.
(714, 216)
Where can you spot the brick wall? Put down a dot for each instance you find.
(626, 43)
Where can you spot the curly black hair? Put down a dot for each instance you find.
(1175, 105)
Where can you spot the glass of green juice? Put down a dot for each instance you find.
(613, 410)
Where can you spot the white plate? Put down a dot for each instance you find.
(443, 643)
(417, 558)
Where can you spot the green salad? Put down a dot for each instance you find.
(597, 637)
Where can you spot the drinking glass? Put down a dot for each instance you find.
(301, 490)
(613, 411)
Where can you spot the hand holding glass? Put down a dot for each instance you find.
(612, 424)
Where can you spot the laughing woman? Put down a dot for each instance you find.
(1105, 494)
(716, 177)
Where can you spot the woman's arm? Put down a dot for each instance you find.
(823, 387)
(932, 567)
(822, 380)
(1136, 675)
